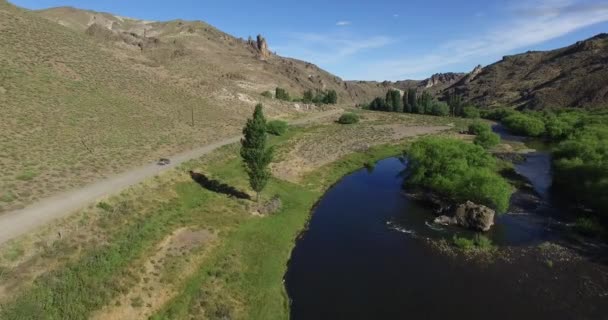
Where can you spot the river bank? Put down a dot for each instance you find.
(370, 251)
(169, 248)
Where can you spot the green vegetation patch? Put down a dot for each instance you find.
(277, 127)
(477, 243)
(349, 118)
(457, 170)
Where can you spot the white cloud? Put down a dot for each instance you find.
(328, 48)
(548, 19)
(343, 23)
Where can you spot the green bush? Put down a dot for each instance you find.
(478, 127)
(524, 124)
(282, 94)
(348, 118)
(487, 139)
(479, 242)
(457, 170)
(589, 226)
(267, 94)
(276, 127)
(497, 114)
(440, 108)
(470, 112)
(562, 125)
(463, 243)
(581, 167)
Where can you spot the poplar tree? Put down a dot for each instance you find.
(406, 102)
(256, 156)
(411, 95)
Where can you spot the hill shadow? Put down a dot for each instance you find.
(217, 186)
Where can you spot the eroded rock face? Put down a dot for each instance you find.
(470, 215)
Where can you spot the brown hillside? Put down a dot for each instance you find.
(96, 94)
(574, 76)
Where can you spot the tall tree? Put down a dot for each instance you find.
(455, 103)
(406, 102)
(397, 102)
(393, 101)
(388, 101)
(331, 97)
(413, 101)
(256, 156)
(378, 104)
(308, 96)
(425, 103)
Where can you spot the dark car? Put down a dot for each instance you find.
(163, 161)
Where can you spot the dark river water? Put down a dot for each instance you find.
(365, 255)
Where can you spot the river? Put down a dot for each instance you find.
(368, 254)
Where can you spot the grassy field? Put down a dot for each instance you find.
(111, 252)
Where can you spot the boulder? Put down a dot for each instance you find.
(469, 215)
(474, 216)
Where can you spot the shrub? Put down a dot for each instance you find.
(581, 167)
(478, 242)
(282, 94)
(463, 243)
(487, 139)
(497, 114)
(440, 108)
(348, 118)
(276, 127)
(104, 206)
(589, 226)
(562, 125)
(478, 127)
(267, 94)
(470, 112)
(523, 124)
(457, 170)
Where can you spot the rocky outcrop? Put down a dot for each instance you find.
(473, 74)
(260, 46)
(470, 215)
(441, 79)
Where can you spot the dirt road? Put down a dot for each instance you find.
(18, 222)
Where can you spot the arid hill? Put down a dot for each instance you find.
(86, 94)
(574, 76)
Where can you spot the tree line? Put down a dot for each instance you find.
(410, 101)
(309, 96)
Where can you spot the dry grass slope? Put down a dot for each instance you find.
(76, 106)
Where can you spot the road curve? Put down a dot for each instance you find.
(18, 222)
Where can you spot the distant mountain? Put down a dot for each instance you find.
(574, 76)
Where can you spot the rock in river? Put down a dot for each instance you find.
(470, 215)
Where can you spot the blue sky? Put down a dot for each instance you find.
(381, 39)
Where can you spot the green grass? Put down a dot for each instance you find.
(241, 277)
(250, 265)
